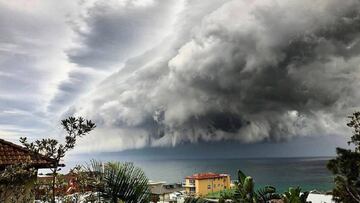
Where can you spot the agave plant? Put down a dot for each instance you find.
(294, 195)
(120, 181)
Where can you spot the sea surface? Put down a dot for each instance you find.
(308, 173)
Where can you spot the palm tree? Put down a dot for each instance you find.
(120, 181)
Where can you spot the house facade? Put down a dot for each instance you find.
(202, 184)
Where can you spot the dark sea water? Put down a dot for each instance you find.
(308, 173)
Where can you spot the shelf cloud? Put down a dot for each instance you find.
(249, 71)
(154, 73)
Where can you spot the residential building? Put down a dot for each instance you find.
(162, 192)
(202, 184)
(318, 197)
(12, 154)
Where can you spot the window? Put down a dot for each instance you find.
(192, 189)
(218, 185)
(209, 187)
(224, 187)
(214, 186)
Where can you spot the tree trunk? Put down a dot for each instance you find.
(53, 187)
(54, 180)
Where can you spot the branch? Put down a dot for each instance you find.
(355, 197)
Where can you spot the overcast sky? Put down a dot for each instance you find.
(172, 73)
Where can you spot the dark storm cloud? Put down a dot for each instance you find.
(248, 71)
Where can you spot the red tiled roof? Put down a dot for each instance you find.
(11, 153)
(200, 176)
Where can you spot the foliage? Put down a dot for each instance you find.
(119, 181)
(227, 194)
(346, 166)
(195, 200)
(221, 200)
(267, 193)
(245, 193)
(13, 183)
(43, 188)
(51, 148)
(294, 195)
(244, 189)
(83, 180)
(224, 194)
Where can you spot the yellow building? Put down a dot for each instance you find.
(203, 183)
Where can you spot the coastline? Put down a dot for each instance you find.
(310, 173)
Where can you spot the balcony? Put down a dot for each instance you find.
(188, 185)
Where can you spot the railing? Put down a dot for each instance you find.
(188, 185)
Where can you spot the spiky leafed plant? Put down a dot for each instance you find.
(120, 181)
(294, 195)
(245, 192)
(267, 193)
(244, 189)
(195, 200)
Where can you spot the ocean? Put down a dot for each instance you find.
(308, 173)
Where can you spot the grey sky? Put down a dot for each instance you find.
(168, 73)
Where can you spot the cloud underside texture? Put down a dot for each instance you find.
(241, 70)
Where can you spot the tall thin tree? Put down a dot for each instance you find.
(74, 127)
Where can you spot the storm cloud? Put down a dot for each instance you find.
(43, 45)
(165, 72)
(243, 70)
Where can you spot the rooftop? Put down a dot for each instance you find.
(11, 154)
(200, 176)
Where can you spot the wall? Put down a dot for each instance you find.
(205, 186)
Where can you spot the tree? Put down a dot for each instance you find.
(74, 128)
(346, 166)
(120, 181)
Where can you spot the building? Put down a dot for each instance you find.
(11, 155)
(202, 184)
(162, 192)
(317, 197)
